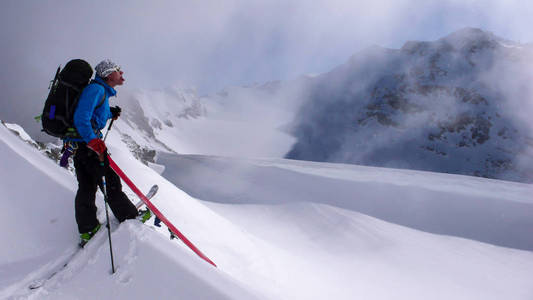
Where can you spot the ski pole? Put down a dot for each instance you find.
(108, 128)
(104, 191)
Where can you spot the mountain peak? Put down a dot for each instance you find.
(469, 36)
(465, 39)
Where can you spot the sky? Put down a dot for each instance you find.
(210, 45)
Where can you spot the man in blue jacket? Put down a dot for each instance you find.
(90, 159)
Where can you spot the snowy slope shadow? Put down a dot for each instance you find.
(468, 207)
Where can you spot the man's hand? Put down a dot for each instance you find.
(115, 112)
(97, 145)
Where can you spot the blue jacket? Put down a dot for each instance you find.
(88, 119)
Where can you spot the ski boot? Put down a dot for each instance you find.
(86, 236)
(144, 215)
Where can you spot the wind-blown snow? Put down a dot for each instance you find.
(277, 229)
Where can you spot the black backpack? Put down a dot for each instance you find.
(65, 90)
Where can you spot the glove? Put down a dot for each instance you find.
(115, 112)
(97, 145)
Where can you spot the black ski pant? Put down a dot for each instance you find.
(89, 172)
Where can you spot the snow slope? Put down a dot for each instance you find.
(39, 224)
(31, 184)
(277, 229)
(319, 214)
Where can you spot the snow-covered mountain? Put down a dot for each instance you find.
(460, 104)
(239, 121)
(276, 228)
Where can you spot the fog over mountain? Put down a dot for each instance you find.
(457, 105)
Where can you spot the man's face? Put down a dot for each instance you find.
(115, 78)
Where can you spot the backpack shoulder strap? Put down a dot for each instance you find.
(101, 101)
(103, 98)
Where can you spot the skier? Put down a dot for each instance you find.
(90, 158)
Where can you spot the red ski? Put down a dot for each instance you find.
(156, 211)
